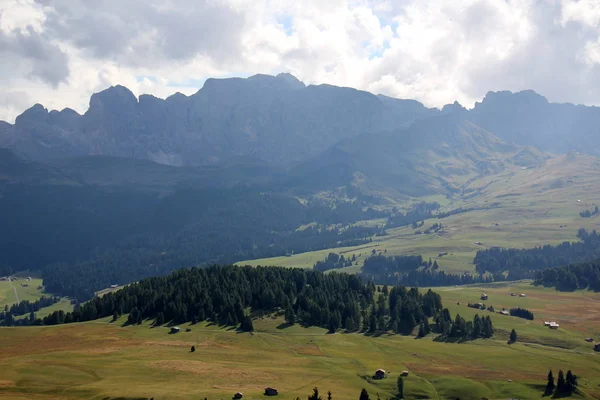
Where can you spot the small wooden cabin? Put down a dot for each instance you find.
(379, 374)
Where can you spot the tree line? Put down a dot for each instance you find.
(521, 313)
(334, 261)
(224, 294)
(96, 237)
(523, 263)
(585, 275)
(420, 212)
(565, 385)
(414, 271)
(589, 213)
(459, 328)
(7, 317)
(26, 306)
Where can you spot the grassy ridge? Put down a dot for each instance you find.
(517, 208)
(11, 292)
(99, 359)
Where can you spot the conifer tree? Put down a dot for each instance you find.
(247, 325)
(571, 382)
(364, 395)
(550, 385)
(373, 323)
(421, 331)
(513, 336)
(315, 395)
(560, 383)
(400, 387)
(290, 316)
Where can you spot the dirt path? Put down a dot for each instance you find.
(15, 290)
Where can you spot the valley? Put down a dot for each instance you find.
(519, 208)
(131, 213)
(100, 359)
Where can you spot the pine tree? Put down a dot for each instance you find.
(290, 316)
(571, 382)
(115, 316)
(315, 395)
(329, 397)
(31, 317)
(400, 387)
(477, 327)
(246, 325)
(364, 395)
(513, 336)
(349, 326)
(372, 323)
(550, 385)
(560, 383)
(333, 324)
(421, 330)
(426, 326)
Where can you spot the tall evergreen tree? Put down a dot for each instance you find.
(247, 325)
(400, 387)
(513, 336)
(364, 395)
(315, 395)
(550, 385)
(372, 323)
(421, 331)
(329, 397)
(426, 326)
(571, 382)
(561, 383)
(290, 315)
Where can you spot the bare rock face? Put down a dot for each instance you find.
(277, 119)
(527, 118)
(273, 118)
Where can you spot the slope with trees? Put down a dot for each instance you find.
(224, 294)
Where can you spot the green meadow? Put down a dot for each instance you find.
(517, 208)
(104, 360)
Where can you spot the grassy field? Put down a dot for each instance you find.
(100, 360)
(21, 289)
(518, 208)
(14, 291)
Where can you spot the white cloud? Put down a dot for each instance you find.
(58, 52)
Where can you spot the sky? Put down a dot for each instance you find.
(59, 52)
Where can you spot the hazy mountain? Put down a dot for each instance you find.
(435, 155)
(277, 119)
(528, 118)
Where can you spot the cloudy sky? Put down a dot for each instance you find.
(58, 52)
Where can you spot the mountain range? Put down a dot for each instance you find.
(137, 187)
(277, 119)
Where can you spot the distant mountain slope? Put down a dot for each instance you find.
(432, 156)
(528, 118)
(277, 119)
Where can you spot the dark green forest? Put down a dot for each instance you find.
(85, 238)
(571, 277)
(226, 295)
(523, 263)
(413, 271)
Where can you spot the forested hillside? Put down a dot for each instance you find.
(88, 224)
(522, 263)
(225, 294)
(571, 277)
